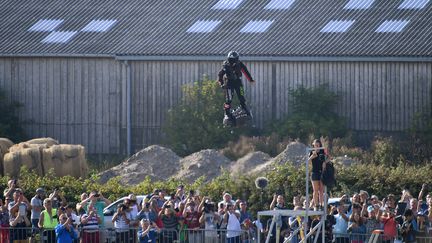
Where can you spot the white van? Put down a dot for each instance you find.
(112, 208)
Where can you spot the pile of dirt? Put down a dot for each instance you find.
(263, 168)
(295, 153)
(248, 163)
(208, 163)
(155, 161)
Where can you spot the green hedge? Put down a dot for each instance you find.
(284, 179)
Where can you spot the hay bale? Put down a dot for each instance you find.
(47, 141)
(29, 157)
(65, 159)
(5, 144)
(25, 145)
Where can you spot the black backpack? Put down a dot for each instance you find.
(328, 175)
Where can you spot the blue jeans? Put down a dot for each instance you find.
(35, 227)
(235, 239)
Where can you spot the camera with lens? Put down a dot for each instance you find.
(321, 157)
(122, 207)
(209, 207)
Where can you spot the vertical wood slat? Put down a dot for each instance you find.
(80, 100)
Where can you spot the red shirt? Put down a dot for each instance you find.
(390, 231)
(192, 219)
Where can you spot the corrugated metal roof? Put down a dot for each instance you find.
(160, 27)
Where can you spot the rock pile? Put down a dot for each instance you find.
(248, 163)
(295, 153)
(208, 163)
(155, 161)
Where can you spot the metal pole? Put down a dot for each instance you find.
(324, 216)
(128, 109)
(307, 190)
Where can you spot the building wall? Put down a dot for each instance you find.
(74, 100)
(83, 100)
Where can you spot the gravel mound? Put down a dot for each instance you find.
(295, 153)
(155, 161)
(206, 163)
(248, 163)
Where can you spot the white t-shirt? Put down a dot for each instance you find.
(233, 226)
(134, 211)
(210, 225)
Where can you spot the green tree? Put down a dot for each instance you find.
(313, 114)
(196, 123)
(9, 122)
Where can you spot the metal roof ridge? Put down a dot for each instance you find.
(275, 58)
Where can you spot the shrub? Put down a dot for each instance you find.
(313, 114)
(285, 179)
(344, 146)
(272, 145)
(385, 151)
(10, 127)
(420, 138)
(196, 123)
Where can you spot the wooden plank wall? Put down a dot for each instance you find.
(83, 100)
(74, 100)
(375, 96)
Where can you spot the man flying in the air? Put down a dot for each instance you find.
(232, 70)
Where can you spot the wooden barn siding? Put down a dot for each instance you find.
(83, 100)
(74, 100)
(374, 96)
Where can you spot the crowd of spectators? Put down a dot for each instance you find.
(185, 217)
(353, 219)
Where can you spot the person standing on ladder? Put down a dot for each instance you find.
(318, 159)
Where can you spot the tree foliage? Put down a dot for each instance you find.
(9, 122)
(196, 123)
(312, 114)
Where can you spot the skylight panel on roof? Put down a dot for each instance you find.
(413, 4)
(337, 26)
(279, 4)
(99, 25)
(227, 4)
(203, 26)
(59, 37)
(257, 26)
(392, 26)
(359, 4)
(46, 25)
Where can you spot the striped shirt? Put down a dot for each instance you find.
(92, 224)
(120, 223)
(169, 222)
